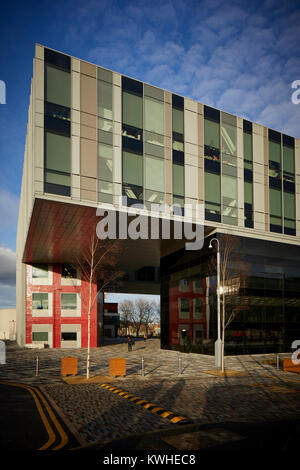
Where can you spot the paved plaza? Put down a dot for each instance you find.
(253, 391)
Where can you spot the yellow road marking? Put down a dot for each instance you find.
(51, 434)
(177, 419)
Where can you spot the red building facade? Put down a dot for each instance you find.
(57, 307)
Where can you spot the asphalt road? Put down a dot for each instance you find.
(28, 421)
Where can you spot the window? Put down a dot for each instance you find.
(68, 301)
(154, 115)
(212, 195)
(39, 301)
(68, 271)
(57, 159)
(289, 213)
(154, 197)
(275, 210)
(40, 271)
(228, 134)
(248, 155)
(178, 180)
(69, 336)
(133, 193)
(197, 308)
(177, 119)
(155, 176)
(212, 134)
(288, 164)
(132, 168)
(275, 152)
(184, 308)
(229, 195)
(39, 336)
(57, 86)
(105, 106)
(132, 110)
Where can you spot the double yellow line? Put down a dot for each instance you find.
(39, 400)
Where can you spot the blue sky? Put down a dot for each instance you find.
(238, 56)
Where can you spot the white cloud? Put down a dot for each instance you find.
(9, 209)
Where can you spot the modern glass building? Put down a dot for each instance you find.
(94, 136)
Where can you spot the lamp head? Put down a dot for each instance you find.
(210, 245)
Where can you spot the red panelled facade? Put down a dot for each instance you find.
(194, 318)
(55, 319)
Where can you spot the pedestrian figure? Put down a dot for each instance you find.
(130, 343)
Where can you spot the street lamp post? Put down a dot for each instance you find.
(218, 342)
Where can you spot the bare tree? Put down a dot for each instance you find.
(233, 274)
(139, 314)
(126, 309)
(98, 263)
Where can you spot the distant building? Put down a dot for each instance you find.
(8, 323)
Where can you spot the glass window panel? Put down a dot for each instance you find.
(57, 86)
(132, 110)
(288, 160)
(289, 205)
(229, 211)
(155, 175)
(105, 169)
(275, 152)
(184, 308)
(229, 190)
(198, 308)
(105, 125)
(178, 180)
(40, 301)
(69, 336)
(105, 151)
(154, 115)
(229, 137)
(289, 223)
(105, 100)
(212, 188)
(68, 301)
(153, 138)
(275, 202)
(248, 192)
(132, 168)
(155, 197)
(177, 116)
(57, 152)
(68, 271)
(57, 178)
(39, 336)
(178, 146)
(40, 270)
(211, 133)
(105, 187)
(229, 159)
(248, 155)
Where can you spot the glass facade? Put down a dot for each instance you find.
(248, 174)
(212, 164)
(178, 176)
(269, 319)
(57, 154)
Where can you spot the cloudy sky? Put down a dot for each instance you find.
(239, 56)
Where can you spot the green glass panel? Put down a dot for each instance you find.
(288, 160)
(56, 178)
(155, 175)
(211, 133)
(68, 301)
(275, 202)
(40, 301)
(212, 188)
(39, 336)
(57, 86)
(154, 115)
(289, 223)
(248, 192)
(40, 270)
(132, 168)
(154, 197)
(105, 187)
(57, 152)
(177, 121)
(105, 151)
(229, 191)
(229, 138)
(289, 205)
(105, 125)
(105, 108)
(178, 146)
(248, 155)
(274, 152)
(132, 110)
(178, 180)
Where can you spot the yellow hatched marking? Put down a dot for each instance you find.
(166, 414)
(134, 398)
(177, 419)
(141, 401)
(148, 405)
(118, 390)
(155, 410)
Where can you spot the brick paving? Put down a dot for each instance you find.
(263, 394)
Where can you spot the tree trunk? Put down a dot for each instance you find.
(89, 330)
(223, 332)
